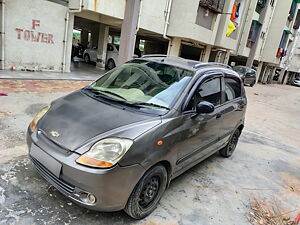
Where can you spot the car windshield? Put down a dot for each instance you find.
(144, 84)
(240, 69)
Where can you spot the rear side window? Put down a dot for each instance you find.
(232, 88)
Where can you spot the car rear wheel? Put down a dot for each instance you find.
(111, 64)
(87, 58)
(147, 193)
(228, 150)
(252, 84)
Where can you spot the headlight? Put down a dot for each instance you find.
(105, 153)
(37, 117)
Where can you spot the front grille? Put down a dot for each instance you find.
(58, 183)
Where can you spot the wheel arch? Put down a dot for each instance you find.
(167, 166)
(240, 128)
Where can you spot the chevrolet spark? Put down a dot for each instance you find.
(117, 143)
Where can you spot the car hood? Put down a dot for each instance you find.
(78, 119)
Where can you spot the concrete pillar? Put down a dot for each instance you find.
(254, 48)
(262, 75)
(227, 56)
(129, 30)
(286, 77)
(272, 75)
(258, 71)
(102, 45)
(280, 79)
(174, 47)
(84, 38)
(266, 75)
(206, 55)
(94, 36)
(68, 53)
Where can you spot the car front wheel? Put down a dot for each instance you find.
(228, 150)
(147, 193)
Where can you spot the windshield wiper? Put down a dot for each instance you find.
(105, 91)
(148, 104)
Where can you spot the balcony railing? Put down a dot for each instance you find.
(214, 5)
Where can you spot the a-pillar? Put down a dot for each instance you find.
(68, 43)
(84, 38)
(102, 45)
(206, 54)
(174, 47)
(129, 30)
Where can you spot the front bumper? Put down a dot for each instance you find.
(111, 187)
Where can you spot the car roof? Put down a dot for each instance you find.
(187, 64)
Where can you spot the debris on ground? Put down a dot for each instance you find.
(3, 94)
(263, 214)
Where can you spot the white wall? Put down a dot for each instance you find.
(113, 8)
(183, 23)
(152, 15)
(20, 48)
(275, 32)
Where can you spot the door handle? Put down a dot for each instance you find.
(218, 115)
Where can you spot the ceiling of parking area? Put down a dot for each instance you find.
(81, 23)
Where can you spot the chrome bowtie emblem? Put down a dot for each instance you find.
(54, 133)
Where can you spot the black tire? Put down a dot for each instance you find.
(87, 58)
(252, 84)
(228, 150)
(147, 193)
(111, 64)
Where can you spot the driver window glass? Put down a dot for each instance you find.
(209, 91)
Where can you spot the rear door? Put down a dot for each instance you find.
(233, 106)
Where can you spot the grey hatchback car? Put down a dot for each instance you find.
(117, 143)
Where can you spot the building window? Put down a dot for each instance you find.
(281, 49)
(260, 5)
(214, 5)
(235, 18)
(205, 17)
(297, 21)
(292, 10)
(253, 33)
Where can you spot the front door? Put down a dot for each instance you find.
(200, 132)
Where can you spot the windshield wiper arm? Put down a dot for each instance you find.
(105, 91)
(149, 104)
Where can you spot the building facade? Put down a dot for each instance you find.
(38, 34)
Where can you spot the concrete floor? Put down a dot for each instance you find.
(79, 71)
(265, 166)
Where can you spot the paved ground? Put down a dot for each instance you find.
(265, 166)
(79, 71)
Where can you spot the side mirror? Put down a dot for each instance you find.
(205, 107)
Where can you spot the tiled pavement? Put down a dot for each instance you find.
(45, 86)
